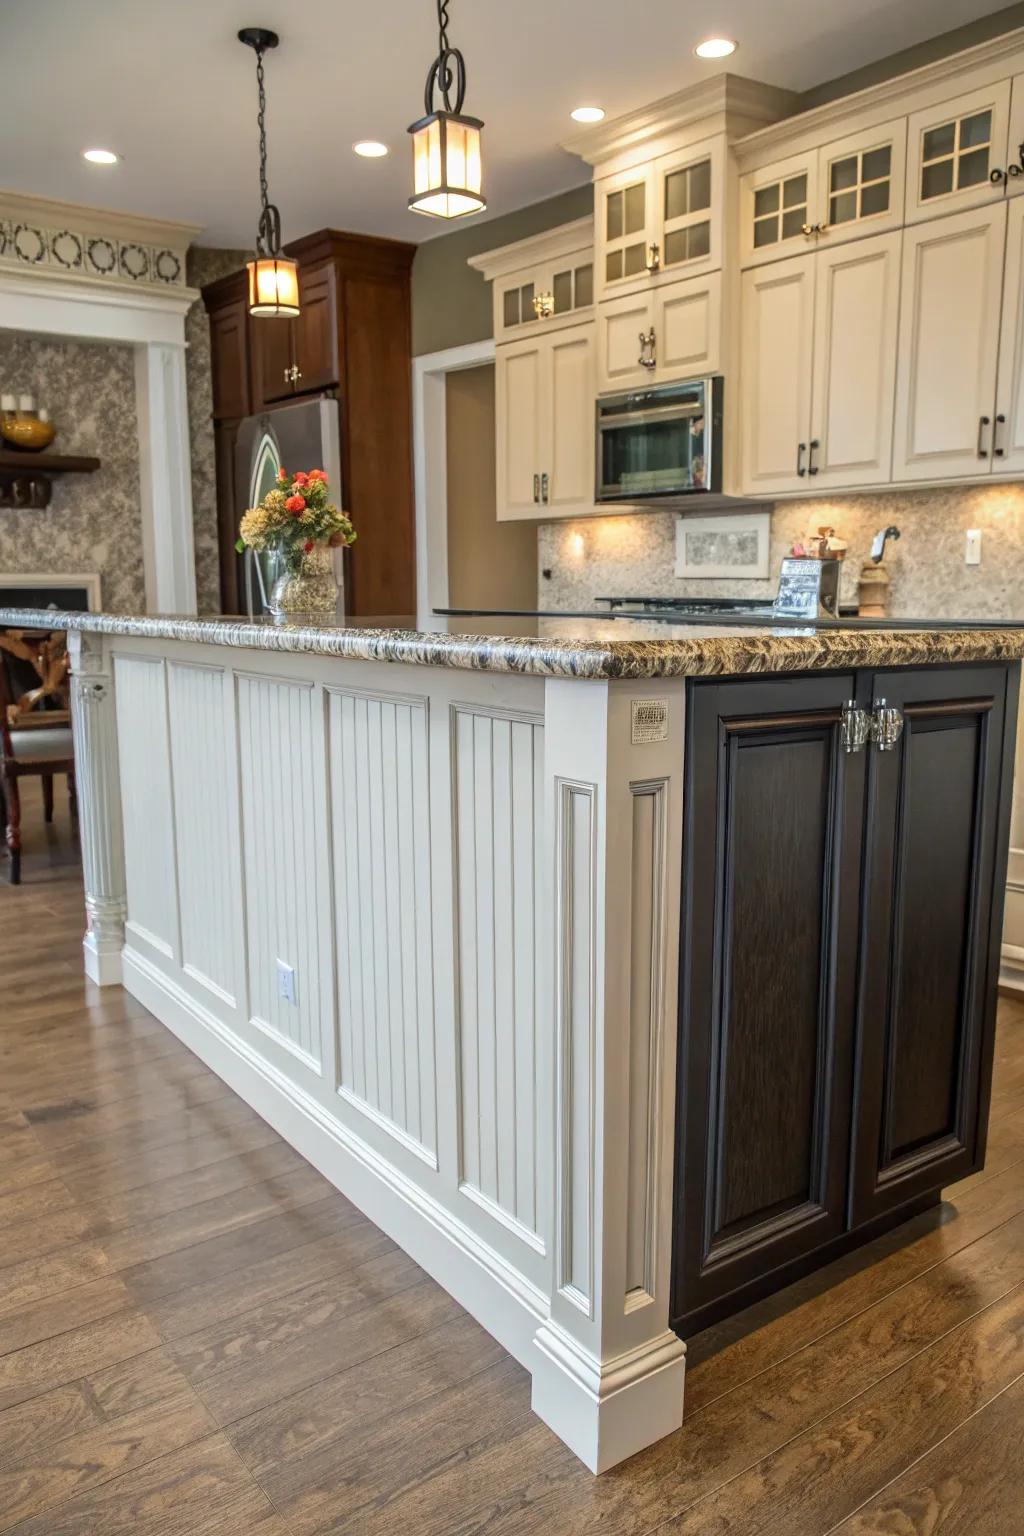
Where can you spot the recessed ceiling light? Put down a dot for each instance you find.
(588, 114)
(715, 48)
(100, 156)
(370, 149)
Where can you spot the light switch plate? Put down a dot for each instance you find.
(972, 551)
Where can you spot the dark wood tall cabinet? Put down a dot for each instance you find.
(351, 339)
(838, 964)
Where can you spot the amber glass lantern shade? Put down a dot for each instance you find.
(273, 286)
(447, 168)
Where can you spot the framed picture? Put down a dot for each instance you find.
(733, 545)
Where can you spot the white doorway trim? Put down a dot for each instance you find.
(153, 323)
(430, 465)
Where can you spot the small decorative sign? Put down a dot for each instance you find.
(650, 721)
(807, 588)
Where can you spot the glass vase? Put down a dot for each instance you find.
(311, 592)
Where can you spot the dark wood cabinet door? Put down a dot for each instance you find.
(768, 964)
(229, 355)
(937, 821)
(316, 331)
(273, 355)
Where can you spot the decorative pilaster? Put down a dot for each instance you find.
(99, 806)
(166, 478)
(608, 1371)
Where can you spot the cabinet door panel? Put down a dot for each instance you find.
(952, 148)
(620, 325)
(862, 180)
(775, 380)
(272, 340)
(519, 385)
(1008, 446)
(951, 291)
(776, 202)
(570, 429)
(687, 328)
(316, 331)
(229, 352)
(766, 995)
(856, 311)
(927, 992)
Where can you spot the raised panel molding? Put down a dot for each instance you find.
(646, 993)
(147, 806)
(204, 822)
(497, 764)
(380, 838)
(282, 831)
(576, 1029)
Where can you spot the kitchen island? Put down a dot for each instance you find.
(620, 974)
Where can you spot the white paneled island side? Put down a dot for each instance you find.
(417, 899)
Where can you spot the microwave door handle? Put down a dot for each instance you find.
(650, 418)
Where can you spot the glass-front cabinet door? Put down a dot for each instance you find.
(778, 204)
(953, 148)
(625, 208)
(558, 293)
(861, 180)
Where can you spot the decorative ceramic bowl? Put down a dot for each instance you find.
(27, 432)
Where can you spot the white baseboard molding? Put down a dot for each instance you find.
(1011, 970)
(102, 965)
(501, 1299)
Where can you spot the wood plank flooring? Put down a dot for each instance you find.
(200, 1337)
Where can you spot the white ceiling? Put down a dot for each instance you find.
(169, 87)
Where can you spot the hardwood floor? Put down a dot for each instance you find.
(200, 1337)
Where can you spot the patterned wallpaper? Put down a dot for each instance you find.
(635, 555)
(205, 265)
(92, 523)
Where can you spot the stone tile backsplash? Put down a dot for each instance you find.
(634, 555)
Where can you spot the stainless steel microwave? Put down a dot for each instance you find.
(660, 444)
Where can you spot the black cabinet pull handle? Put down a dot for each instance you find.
(812, 468)
(998, 448)
(801, 450)
(983, 422)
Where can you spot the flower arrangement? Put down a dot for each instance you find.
(295, 517)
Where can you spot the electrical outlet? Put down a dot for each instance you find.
(972, 553)
(286, 982)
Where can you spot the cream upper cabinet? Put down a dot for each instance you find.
(775, 374)
(519, 422)
(952, 150)
(661, 334)
(848, 189)
(1014, 167)
(950, 306)
(545, 435)
(543, 283)
(1008, 421)
(659, 221)
(856, 310)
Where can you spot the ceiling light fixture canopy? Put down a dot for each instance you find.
(273, 278)
(447, 167)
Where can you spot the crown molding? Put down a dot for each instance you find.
(724, 95)
(43, 282)
(548, 245)
(889, 95)
(100, 221)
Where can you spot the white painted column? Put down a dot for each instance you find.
(609, 1372)
(94, 723)
(165, 475)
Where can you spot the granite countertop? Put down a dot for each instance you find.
(583, 646)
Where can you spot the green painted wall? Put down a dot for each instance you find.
(451, 304)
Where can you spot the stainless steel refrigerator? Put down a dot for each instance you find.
(301, 434)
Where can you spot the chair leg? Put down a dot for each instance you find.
(13, 828)
(48, 797)
(72, 797)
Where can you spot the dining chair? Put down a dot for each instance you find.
(35, 726)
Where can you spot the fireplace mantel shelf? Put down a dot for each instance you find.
(14, 460)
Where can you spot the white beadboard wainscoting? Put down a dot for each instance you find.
(475, 882)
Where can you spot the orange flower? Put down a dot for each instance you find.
(301, 479)
(308, 547)
(295, 504)
(282, 473)
(315, 474)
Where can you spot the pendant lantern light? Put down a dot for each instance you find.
(446, 160)
(273, 278)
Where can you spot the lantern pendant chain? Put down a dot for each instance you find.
(268, 241)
